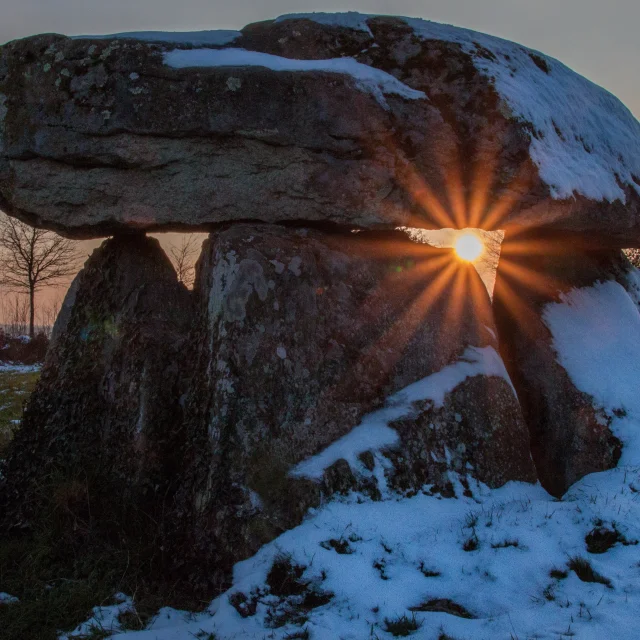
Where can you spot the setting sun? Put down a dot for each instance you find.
(469, 247)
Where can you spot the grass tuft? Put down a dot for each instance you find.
(444, 605)
(558, 574)
(585, 571)
(428, 572)
(285, 577)
(402, 625)
(505, 544)
(15, 388)
(471, 543)
(303, 634)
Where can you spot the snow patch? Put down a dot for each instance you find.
(374, 433)
(19, 368)
(6, 598)
(596, 334)
(349, 20)
(583, 139)
(367, 79)
(216, 38)
(102, 619)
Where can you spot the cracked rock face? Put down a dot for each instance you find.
(373, 123)
(301, 336)
(570, 434)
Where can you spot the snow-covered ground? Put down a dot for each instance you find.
(6, 367)
(510, 563)
(373, 561)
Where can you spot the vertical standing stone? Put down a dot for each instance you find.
(104, 424)
(302, 334)
(570, 435)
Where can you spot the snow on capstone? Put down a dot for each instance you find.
(368, 79)
(596, 334)
(348, 20)
(215, 38)
(374, 434)
(583, 139)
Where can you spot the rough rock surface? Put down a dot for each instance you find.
(570, 435)
(301, 335)
(105, 417)
(411, 123)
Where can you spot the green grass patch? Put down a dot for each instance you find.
(15, 389)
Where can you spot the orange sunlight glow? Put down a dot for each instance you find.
(469, 247)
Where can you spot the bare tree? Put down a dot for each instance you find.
(31, 259)
(184, 257)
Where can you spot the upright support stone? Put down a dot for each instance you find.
(302, 335)
(103, 430)
(570, 434)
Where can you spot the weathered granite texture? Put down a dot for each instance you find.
(302, 335)
(104, 421)
(412, 124)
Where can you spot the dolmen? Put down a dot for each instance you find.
(323, 351)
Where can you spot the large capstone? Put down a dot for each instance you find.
(571, 434)
(332, 362)
(372, 122)
(101, 434)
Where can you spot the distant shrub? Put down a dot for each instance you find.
(22, 350)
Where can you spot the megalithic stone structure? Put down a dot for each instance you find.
(322, 349)
(365, 121)
(329, 362)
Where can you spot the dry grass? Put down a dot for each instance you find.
(15, 389)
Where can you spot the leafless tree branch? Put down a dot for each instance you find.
(33, 258)
(184, 256)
